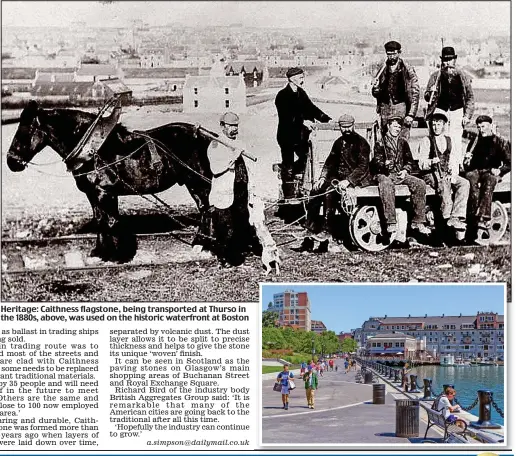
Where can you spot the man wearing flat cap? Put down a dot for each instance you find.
(296, 114)
(487, 160)
(396, 89)
(450, 89)
(236, 211)
(348, 163)
(393, 165)
(434, 155)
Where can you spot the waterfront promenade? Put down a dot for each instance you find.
(344, 415)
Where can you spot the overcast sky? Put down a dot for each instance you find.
(342, 14)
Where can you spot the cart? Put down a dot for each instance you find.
(363, 224)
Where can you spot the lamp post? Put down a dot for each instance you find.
(322, 350)
(313, 346)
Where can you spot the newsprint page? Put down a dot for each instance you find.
(256, 227)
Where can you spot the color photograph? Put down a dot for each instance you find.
(381, 365)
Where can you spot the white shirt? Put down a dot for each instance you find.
(222, 166)
(444, 403)
(424, 154)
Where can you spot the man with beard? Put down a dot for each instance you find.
(348, 163)
(487, 160)
(296, 114)
(396, 89)
(450, 89)
(393, 165)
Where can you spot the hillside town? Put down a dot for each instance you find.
(180, 64)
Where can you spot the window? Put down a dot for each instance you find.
(195, 91)
(227, 103)
(226, 91)
(196, 103)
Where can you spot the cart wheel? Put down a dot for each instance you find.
(366, 230)
(499, 222)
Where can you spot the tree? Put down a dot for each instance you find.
(269, 319)
(349, 345)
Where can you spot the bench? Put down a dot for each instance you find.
(452, 431)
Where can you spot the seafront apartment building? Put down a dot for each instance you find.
(293, 309)
(467, 336)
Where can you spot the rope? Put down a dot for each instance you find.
(44, 164)
(300, 199)
(348, 198)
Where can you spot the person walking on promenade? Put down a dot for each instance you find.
(450, 89)
(404, 377)
(346, 366)
(348, 163)
(311, 384)
(393, 165)
(444, 405)
(296, 115)
(283, 378)
(435, 155)
(330, 362)
(303, 369)
(396, 89)
(487, 160)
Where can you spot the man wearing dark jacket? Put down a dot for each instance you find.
(487, 160)
(296, 114)
(450, 89)
(396, 89)
(348, 163)
(392, 165)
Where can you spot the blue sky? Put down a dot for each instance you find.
(345, 307)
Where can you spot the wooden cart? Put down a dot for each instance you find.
(364, 225)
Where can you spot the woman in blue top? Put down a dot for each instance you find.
(283, 378)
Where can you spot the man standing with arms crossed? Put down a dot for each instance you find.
(449, 89)
(296, 114)
(396, 89)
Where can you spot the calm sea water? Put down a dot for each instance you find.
(467, 380)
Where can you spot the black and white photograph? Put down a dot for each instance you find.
(187, 151)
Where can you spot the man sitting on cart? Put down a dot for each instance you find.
(436, 161)
(487, 160)
(347, 167)
(393, 165)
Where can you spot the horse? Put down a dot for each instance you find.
(127, 163)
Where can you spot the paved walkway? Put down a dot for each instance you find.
(344, 414)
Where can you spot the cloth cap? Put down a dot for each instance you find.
(483, 118)
(448, 53)
(395, 117)
(229, 118)
(392, 46)
(440, 114)
(293, 71)
(346, 120)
